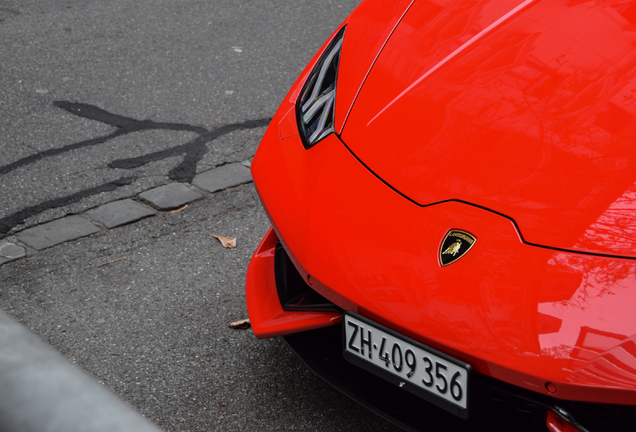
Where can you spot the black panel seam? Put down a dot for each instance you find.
(517, 229)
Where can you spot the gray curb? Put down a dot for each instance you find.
(223, 177)
(118, 213)
(10, 251)
(42, 392)
(122, 212)
(170, 196)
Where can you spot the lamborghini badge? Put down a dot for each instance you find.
(455, 245)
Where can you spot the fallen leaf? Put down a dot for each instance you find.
(179, 209)
(242, 324)
(227, 242)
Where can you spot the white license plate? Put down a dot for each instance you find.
(411, 365)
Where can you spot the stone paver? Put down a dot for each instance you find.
(170, 196)
(119, 213)
(223, 177)
(10, 251)
(56, 232)
(126, 211)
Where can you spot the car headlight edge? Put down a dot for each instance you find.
(317, 101)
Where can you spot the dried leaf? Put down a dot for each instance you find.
(179, 209)
(227, 242)
(242, 324)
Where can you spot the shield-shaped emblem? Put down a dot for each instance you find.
(455, 245)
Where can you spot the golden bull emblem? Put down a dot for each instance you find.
(454, 246)
(453, 249)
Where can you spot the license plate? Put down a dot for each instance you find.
(411, 365)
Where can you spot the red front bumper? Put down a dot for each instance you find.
(267, 316)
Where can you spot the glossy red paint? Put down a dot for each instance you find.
(557, 322)
(534, 119)
(516, 312)
(369, 29)
(267, 317)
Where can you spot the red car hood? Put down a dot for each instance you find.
(513, 106)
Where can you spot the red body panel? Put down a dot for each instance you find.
(552, 321)
(266, 314)
(519, 313)
(369, 28)
(535, 118)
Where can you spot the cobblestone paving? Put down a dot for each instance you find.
(189, 183)
(117, 213)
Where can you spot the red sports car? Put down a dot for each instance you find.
(452, 191)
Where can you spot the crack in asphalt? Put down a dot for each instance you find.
(7, 223)
(193, 152)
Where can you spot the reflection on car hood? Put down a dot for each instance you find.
(514, 106)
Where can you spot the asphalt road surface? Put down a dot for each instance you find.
(144, 308)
